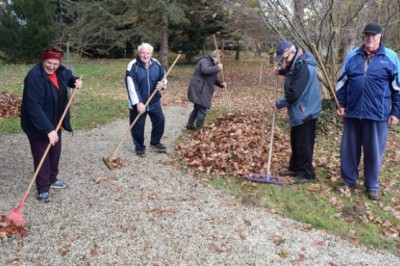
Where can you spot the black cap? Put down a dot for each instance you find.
(374, 28)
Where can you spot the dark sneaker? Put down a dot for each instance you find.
(302, 180)
(190, 127)
(159, 147)
(141, 153)
(44, 197)
(343, 187)
(288, 172)
(373, 195)
(59, 185)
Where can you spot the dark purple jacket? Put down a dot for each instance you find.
(39, 107)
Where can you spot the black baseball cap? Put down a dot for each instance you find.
(374, 28)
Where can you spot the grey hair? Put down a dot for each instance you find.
(145, 45)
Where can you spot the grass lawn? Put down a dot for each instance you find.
(250, 86)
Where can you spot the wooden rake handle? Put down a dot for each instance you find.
(272, 132)
(330, 86)
(48, 148)
(115, 150)
(222, 75)
(216, 48)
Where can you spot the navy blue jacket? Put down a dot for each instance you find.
(302, 97)
(141, 81)
(370, 91)
(39, 107)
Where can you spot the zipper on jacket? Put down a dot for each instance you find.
(148, 86)
(367, 61)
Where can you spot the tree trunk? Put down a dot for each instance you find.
(164, 41)
(237, 55)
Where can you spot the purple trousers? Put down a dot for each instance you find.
(49, 170)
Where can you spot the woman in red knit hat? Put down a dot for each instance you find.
(43, 102)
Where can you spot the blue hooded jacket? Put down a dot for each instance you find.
(302, 97)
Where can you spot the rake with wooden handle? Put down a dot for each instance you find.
(330, 86)
(109, 160)
(16, 215)
(222, 75)
(272, 132)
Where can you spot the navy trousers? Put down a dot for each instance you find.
(157, 121)
(370, 137)
(49, 170)
(302, 139)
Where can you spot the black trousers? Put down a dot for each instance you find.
(49, 170)
(302, 140)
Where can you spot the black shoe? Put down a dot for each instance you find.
(373, 195)
(141, 153)
(288, 172)
(343, 187)
(190, 127)
(302, 180)
(159, 147)
(199, 124)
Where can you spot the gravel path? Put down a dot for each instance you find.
(149, 214)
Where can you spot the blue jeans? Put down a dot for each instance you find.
(369, 135)
(157, 121)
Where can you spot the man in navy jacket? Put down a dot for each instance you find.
(144, 75)
(368, 92)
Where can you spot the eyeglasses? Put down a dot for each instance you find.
(285, 58)
(370, 34)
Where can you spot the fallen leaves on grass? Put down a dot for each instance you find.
(235, 144)
(10, 104)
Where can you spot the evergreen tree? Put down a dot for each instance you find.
(26, 27)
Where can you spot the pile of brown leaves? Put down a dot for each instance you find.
(8, 228)
(9, 104)
(236, 144)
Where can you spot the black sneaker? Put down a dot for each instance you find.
(141, 153)
(288, 172)
(373, 195)
(302, 180)
(190, 127)
(158, 147)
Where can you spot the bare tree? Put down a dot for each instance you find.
(333, 26)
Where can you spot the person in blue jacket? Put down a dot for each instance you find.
(368, 93)
(303, 102)
(44, 100)
(145, 75)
